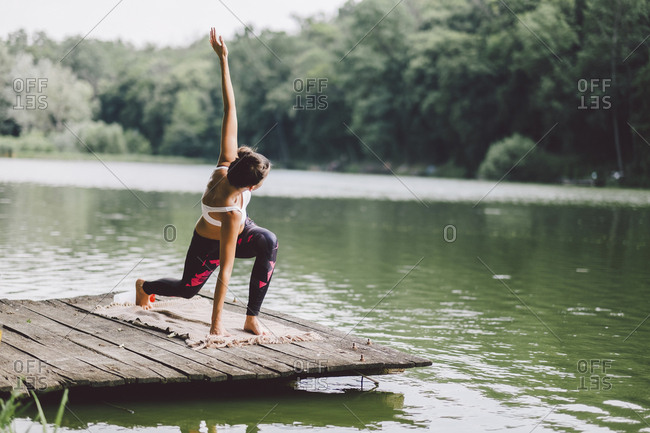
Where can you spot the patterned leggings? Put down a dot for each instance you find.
(203, 258)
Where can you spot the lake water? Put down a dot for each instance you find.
(530, 300)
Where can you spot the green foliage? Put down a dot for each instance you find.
(519, 159)
(423, 83)
(58, 96)
(8, 411)
(98, 137)
(183, 136)
(449, 169)
(12, 408)
(27, 143)
(136, 142)
(371, 71)
(6, 60)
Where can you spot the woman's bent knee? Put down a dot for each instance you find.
(272, 240)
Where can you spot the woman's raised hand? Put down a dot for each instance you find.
(218, 45)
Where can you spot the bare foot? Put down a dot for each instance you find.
(253, 326)
(141, 297)
(219, 330)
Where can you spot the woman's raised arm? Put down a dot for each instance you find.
(229, 125)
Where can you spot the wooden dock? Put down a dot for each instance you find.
(54, 344)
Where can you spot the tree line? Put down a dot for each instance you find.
(459, 88)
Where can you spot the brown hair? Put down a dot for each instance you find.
(248, 169)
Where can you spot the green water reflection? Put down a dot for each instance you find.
(509, 301)
(348, 410)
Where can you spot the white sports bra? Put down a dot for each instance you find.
(205, 209)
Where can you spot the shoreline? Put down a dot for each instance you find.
(168, 176)
(364, 168)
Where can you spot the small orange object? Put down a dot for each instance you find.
(152, 297)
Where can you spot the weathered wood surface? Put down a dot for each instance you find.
(52, 344)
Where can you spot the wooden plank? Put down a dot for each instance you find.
(266, 364)
(332, 334)
(231, 360)
(392, 359)
(38, 341)
(260, 355)
(108, 340)
(181, 377)
(9, 378)
(78, 370)
(157, 346)
(337, 346)
(125, 363)
(342, 339)
(236, 367)
(400, 359)
(320, 355)
(373, 353)
(23, 372)
(75, 347)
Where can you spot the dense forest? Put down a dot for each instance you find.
(458, 88)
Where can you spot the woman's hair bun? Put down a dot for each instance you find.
(244, 151)
(248, 169)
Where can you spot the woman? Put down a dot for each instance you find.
(223, 231)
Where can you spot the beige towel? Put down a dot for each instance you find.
(190, 320)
